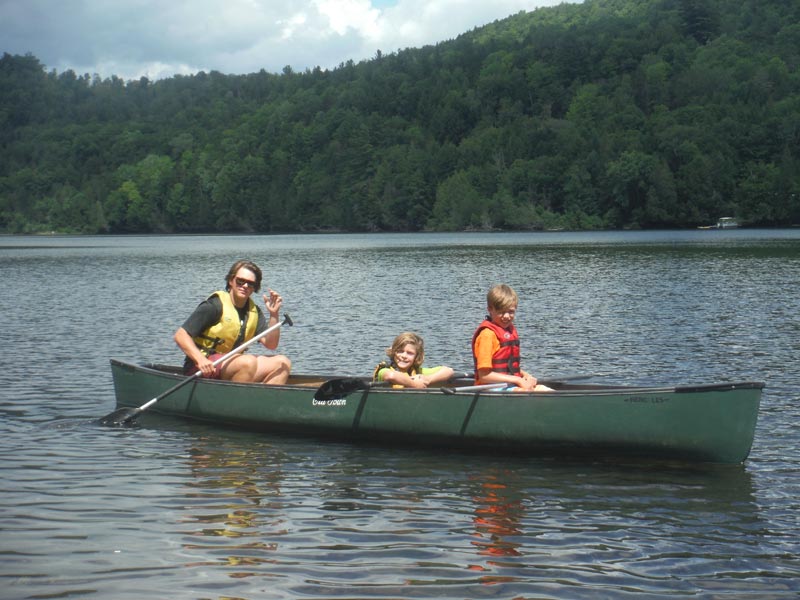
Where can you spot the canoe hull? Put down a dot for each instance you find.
(713, 423)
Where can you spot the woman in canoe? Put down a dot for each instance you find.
(227, 319)
(404, 367)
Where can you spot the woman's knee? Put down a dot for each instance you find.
(280, 364)
(274, 369)
(240, 368)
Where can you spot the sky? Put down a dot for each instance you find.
(162, 38)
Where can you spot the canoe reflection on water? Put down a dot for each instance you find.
(255, 509)
(229, 496)
(497, 519)
(530, 520)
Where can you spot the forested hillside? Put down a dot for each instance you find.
(606, 114)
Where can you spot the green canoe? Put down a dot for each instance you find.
(709, 423)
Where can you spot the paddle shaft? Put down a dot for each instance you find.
(497, 386)
(220, 360)
(565, 377)
(339, 388)
(474, 388)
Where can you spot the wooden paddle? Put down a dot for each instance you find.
(125, 416)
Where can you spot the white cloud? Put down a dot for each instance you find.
(291, 24)
(345, 16)
(134, 38)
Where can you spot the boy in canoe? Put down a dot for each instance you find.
(404, 367)
(226, 320)
(495, 344)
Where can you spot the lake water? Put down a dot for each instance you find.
(170, 509)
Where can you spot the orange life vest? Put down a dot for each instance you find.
(506, 359)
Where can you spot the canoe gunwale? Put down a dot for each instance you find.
(711, 387)
(302, 380)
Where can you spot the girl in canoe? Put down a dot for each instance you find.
(404, 367)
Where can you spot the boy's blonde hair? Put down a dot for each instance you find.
(408, 337)
(502, 297)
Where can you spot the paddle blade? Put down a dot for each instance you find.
(338, 388)
(120, 417)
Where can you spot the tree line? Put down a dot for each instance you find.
(605, 114)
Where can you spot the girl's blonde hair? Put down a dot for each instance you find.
(408, 337)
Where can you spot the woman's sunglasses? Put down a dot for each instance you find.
(245, 283)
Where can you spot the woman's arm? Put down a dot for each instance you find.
(273, 303)
(190, 349)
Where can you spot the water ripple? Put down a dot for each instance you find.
(179, 510)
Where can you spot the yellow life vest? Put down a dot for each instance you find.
(221, 337)
(390, 365)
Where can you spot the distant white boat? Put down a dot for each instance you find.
(727, 223)
(722, 223)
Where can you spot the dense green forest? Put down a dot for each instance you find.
(605, 114)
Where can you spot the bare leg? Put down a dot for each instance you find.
(273, 369)
(240, 368)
